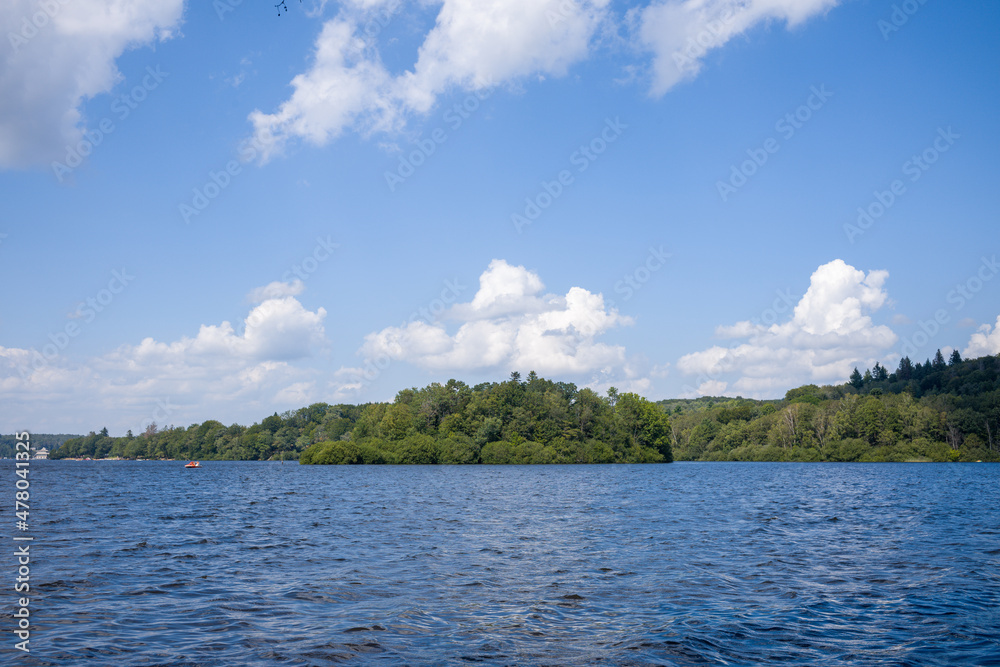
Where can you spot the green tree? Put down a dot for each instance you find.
(905, 369)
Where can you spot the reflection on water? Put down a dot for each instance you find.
(143, 563)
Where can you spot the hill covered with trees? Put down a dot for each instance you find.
(517, 421)
(934, 411)
(531, 421)
(937, 411)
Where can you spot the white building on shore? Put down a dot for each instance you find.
(42, 453)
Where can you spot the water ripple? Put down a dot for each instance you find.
(145, 563)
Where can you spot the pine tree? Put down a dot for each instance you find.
(856, 380)
(956, 358)
(938, 362)
(905, 370)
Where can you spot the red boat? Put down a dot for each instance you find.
(192, 464)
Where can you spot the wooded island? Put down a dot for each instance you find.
(935, 411)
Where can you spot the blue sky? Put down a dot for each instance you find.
(213, 212)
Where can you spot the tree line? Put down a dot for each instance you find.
(935, 411)
(49, 441)
(533, 420)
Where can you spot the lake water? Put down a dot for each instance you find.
(245, 563)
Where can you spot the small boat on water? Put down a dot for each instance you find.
(192, 464)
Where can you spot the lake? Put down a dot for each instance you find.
(249, 563)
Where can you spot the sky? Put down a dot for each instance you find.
(223, 210)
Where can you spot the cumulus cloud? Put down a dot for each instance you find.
(828, 333)
(477, 44)
(510, 324)
(681, 33)
(276, 290)
(986, 341)
(278, 329)
(215, 372)
(473, 45)
(56, 54)
(347, 85)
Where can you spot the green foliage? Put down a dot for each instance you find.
(49, 441)
(531, 420)
(923, 412)
(513, 422)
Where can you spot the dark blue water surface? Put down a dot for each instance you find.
(243, 563)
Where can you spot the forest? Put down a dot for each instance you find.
(933, 411)
(38, 440)
(533, 420)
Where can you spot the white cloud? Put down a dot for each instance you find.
(474, 45)
(986, 341)
(712, 388)
(508, 324)
(276, 290)
(347, 85)
(828, 333)
(56, 54)
(215, 372)
(680, 33)
(277, 329)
